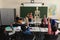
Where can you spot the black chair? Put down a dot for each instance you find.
(50, 37)
(3, 35)
(27, 37)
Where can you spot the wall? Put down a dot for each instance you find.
(0, 3)
(16, 4)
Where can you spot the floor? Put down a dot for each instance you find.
(58, 37)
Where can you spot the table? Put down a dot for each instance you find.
(58, 23)
(32, 29)
(34, 22)
(38, 29)
(13, 28)
(38, 32)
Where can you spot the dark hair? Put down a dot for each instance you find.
(23, 27)
(42, 21)
(54, 28)
(30, 13)
(16, 19)
(50, 20)
(20, 19)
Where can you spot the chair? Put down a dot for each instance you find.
(50, 37)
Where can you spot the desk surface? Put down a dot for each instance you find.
(38, 29)
(32, 29)
(57, 21)
(14, 28)
(35, 22)
(32, 22)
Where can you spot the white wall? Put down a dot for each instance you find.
(16, 4)
(0, 3)
(11, 4)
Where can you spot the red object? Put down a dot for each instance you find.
(45, 20)
(49, 28)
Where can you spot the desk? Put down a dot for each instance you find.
(32, 29)
(32, 22)
(38, 32)
(43, 29)
(58, 23)
(35, 23)
(13, 29)
(8, 29)
(38, 29)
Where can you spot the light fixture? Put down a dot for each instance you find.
(42, 3)
(32, 1)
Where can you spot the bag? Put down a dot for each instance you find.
(54, 28)
(27, 31)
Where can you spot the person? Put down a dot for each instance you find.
(49, 26)
(27, 22)
(51, 31)
(45, 19)
(44, 22)
(30, 17)
(16, 24)
(25, 30)
(26, 33)
(52, 22)
(16, 18)
(53, 26)
(19, 22)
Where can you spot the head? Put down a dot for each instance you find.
(20, 20)
(17, 15)
(42, 21)
(30, 13)
(16, 19)
(44, 16)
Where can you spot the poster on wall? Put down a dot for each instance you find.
(52, 10)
